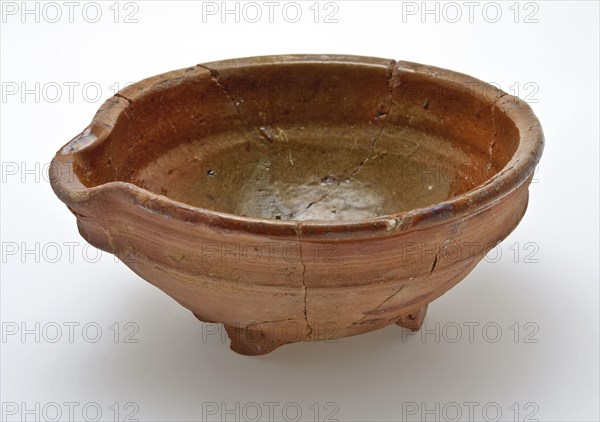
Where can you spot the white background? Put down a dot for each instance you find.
(544, 299)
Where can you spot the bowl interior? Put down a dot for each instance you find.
(314, 173)
(306, 140)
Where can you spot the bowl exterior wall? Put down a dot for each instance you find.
(292, 288)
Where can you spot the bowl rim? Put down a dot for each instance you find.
(517, 170)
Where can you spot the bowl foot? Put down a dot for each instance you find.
(414, 320)
(251, 341)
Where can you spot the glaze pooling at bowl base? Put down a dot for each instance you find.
(315, 173)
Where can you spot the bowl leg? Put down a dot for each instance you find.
(252, 341)
(414, 320)
(249, 341)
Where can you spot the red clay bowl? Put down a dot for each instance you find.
(306, 197)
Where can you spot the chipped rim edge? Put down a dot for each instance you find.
(518, 169)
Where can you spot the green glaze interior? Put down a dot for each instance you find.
(305, 140)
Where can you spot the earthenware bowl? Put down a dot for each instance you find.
(304, 197)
